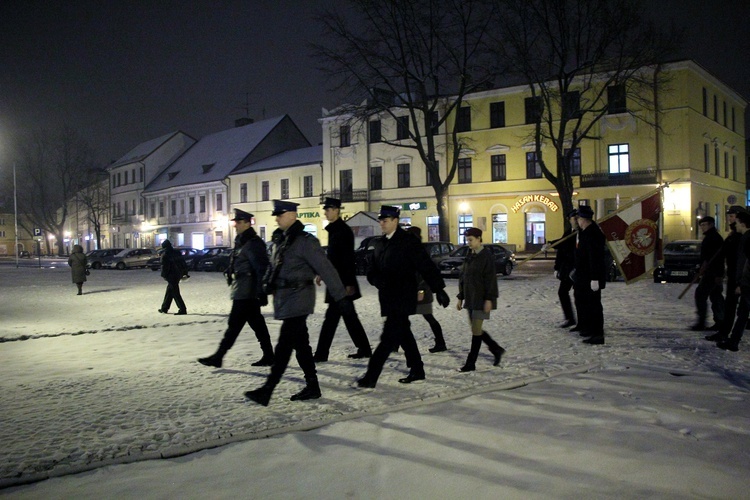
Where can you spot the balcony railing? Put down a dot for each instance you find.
(633, 177)
(346, 195)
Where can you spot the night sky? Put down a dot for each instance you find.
(123, 72)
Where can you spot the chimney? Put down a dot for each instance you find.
(241, 122)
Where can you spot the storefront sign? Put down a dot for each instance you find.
(539, 198)
(416, 205)
(309, 215)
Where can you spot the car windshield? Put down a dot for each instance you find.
(123, 253)
(460, 252)
(683, 247)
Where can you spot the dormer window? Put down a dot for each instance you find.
(207, 168)
(172, 175)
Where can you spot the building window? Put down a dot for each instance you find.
(403, 175)
(464, 170)
(375, 129)
(500, 228)
(140, 174)
(726, 165)
(428, 174)
(126, 178)
(191, 205)
(734, 168)
(706, 159)
(182, 207)
(619, 159)
(571, 105)
(733, 120)
(376, 177)
(498, 167)
(132, 176)
(705, 102)
(463, 119)
(434, 120)
(118, 179)
(284, 189)
(717, 161)
(161, 209)
(533, 168)
(2, 234)
(219, 202)
(716, 108)
(465, 221)
(533, 107)
(345, 138)
(202, 204)
(153, 210)
(402, 128)
(346, 185)
(243, 192)
(265, 191)
(616, 100)
(173, 208)
(497, 114)
(114, 181)
(724, 113)
(575, 161)
(308, 185)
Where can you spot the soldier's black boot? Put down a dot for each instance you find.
(214, 360)
(311, 390)
(495, 349)
(268, 358)
(471, 360)
(262, 395)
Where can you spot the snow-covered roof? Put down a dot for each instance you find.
(213, 157)
(291, 158)
(142, 150)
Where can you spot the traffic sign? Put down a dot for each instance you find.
(37, 231)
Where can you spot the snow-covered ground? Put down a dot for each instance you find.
(91, 383)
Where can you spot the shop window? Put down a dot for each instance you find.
(465, 221)
(500, 228)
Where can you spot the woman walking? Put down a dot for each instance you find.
(77, 263)
(477, 293)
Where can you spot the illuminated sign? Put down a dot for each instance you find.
(540, 198)
(308, 215)
(416, 205)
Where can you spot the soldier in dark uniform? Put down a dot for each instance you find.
(589, 277)
(297, 258)
(712, 276)
(564, 261)
(396, 257)
(340, 252)
(247, 268)
(730, 249)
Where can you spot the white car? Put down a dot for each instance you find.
(130, 258)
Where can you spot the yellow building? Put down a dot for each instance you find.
(699, 150)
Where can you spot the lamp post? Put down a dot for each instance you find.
(15, 212)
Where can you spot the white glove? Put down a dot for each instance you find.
(545, 247)
(557, 274)
(594, 285)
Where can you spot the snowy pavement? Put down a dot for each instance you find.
(104, 379)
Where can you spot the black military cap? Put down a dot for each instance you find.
(389, 211)
(282, 206)
(242, 215)
(332, 203)
(736, 209)
(585, 212)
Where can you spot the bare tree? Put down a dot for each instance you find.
(95, 198)
(53, 167)
(580, 58)
(417, 59)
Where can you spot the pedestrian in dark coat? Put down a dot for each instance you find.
(247, 268)
(730, 250)
(173, 268)
(477, 293)
(340, 252)
(397, 255)
(589, 278)
(424, 303)
(77, 263)
(711, 283)
(296, 259)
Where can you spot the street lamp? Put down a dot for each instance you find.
(15, 212)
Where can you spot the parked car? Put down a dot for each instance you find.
(96, 258)
(189, 254)
(450, 266)
(130, 258)
(682, 261)
(215, 262)
(208, 253)
(25, 254)
(435, 249)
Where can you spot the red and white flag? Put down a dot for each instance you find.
(633, 236)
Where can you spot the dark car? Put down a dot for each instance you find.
(435, 249)
(208, 253)
(189, 254)
(682, 261)
(218, 262)
(450, 267)
(95, 258)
